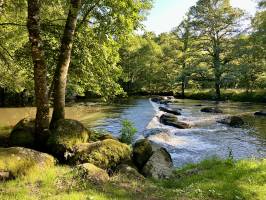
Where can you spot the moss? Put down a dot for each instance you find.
(23, 133)
(19, 161)
(92, 173)
(104, 154)
(65, 136)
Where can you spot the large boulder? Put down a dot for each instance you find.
(233, 121)
(159, 165)
(171, 120)
(93, 173)
(66, 134)
(260, 113)
(142, 150)
(211, 110)
(105, 154)
(170, 110)
(23, 133)
(15, 161)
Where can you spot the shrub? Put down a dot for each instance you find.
(127, 132)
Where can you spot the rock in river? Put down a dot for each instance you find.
(142, 150)
(171, 120)
(260, 113)
(170, 110)
(233, 121)
(211, 110)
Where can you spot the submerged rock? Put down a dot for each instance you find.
(104, 154)
(233, 121)
(93, 173)
(260, 113)
(15, 161)
(171, 120)
(23, 133)
(211, 110)
(170, 110)
(142, 150)
(159, 165)
(65, 136)
(153, 131)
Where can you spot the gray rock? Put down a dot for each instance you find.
(233, 121)
(159, 165)
(211, 110)
(171, 120)
(170, 110)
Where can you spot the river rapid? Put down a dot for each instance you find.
(205, 139)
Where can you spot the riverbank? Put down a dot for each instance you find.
(258, 96)
(211, 179)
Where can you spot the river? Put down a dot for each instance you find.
(205, 139)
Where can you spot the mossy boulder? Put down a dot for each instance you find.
(91, 172)
(159, 165)
(105, 154)
(15, 161)
(129, 171)
(23, 133)
(66, 134)
(142, 150)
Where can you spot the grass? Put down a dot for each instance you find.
(212, 179)
(228, 94)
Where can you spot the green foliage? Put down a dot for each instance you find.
(127, 131)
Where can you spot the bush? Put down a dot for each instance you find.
(127, 132)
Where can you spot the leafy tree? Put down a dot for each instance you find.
(214, 22)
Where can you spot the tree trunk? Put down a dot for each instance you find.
(60, 77)
(217, 71)
(40, 71)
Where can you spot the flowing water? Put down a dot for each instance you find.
(206, 138)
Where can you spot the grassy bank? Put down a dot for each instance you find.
(229, 94)
(211, 179)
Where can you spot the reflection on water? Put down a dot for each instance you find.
(205, 138)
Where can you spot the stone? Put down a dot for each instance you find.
(233, 121)
(15, 161)
(260, 113)
(142, 150)
(211, 110)
(93, 173)
(105, 154)
(171, 120)
(129, 171)
(170, 110)
(22, 134)
(159, 165)
(66, 134)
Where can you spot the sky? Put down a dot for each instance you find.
(167, 14)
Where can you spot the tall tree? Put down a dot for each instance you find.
(183, 33)
(40, 69)
(64, 61)
(214, 22)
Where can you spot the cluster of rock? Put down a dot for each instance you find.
(170, 118)
(93, 157)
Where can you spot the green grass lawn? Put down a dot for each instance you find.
(210, 180)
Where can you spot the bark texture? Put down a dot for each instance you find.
(60, 78)
(40, 70)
